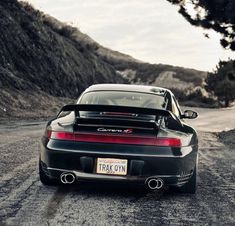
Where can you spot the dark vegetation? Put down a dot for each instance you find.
(39, 65)
(222, 82)
(211, 14)
(218, 15)
(227, 137)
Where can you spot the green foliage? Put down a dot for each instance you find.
(222, 82)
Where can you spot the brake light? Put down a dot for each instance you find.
(117, 139)
(118, 113)
(165, 141)
(63, 136)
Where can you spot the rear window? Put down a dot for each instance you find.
(122, 98)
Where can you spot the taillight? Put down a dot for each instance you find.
(117, 139)
(63, 135)
(48, 134)
(166, 141)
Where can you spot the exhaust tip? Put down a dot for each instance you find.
(67, 178)
(154, 183)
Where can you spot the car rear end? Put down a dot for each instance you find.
(118, 144)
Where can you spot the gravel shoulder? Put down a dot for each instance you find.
(25, 201)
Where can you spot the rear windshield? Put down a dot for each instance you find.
(122, 98)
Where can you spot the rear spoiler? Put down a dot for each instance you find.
(119, 109)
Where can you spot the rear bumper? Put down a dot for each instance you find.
(173, 166)
(172, 180)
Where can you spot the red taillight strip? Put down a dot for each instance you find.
(101, 138)
(165, 141)
(63, 135)
(115, 139)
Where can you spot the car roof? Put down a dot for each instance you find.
(130, 88)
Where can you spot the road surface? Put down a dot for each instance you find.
(25, 201)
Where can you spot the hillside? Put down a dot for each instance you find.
(45, 63)
(135, 71)
(39, 66)
(185, 82)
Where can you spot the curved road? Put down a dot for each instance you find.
(25, 201)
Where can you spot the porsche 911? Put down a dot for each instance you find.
(123, 134)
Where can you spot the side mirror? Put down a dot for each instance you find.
(189, 114)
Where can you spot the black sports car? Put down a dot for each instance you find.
(122, 133)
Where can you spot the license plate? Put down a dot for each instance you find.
(111, 166)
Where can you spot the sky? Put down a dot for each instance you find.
(149, 30)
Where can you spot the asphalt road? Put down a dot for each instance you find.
(25, 201)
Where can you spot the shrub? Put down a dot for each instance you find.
(221, 83)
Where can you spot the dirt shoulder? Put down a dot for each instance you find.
(228, 138)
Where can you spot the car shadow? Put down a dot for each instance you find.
(103, 189)
(131, 193)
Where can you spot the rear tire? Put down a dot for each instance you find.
(191, 186)
(44, 178)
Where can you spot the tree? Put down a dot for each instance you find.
(218, 15)
(222, 82)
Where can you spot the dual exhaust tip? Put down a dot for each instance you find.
(152, 183)
(67, 178)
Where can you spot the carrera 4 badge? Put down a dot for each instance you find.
(106, 130)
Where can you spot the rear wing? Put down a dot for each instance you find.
(119, 109)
